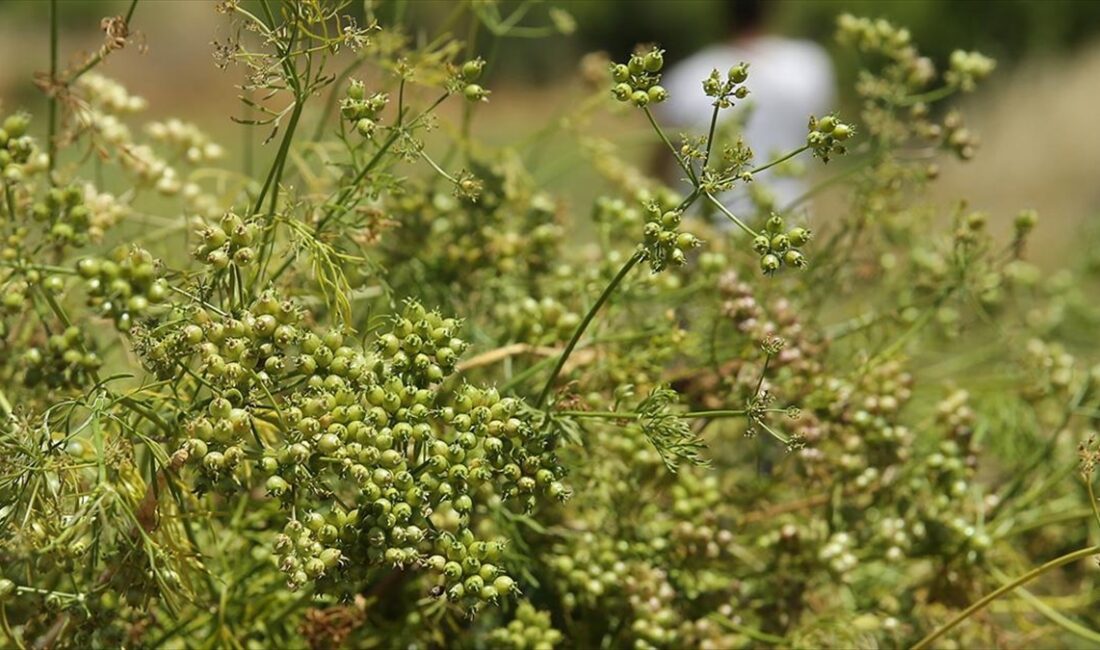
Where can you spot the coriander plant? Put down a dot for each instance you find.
(371, 390)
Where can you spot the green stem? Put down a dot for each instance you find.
(730, 215)
(930, 96)
(275, 172)
(1004, 589)
(1092, 497)
(274, 179)
(752, 633)
(608, 290)
(51, 136)
(628, 415)
(1056, 617)
(680, 161)
(825, 184)
(710, 136)
(779, 161)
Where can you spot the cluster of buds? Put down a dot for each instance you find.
(725, 90)
(968, 68)
(186, 138)
(109, 95)
(664, 243)
(958, 138)
(870, 35)
(638, 80)
(827, 136)
(361, 110)
(778, 248)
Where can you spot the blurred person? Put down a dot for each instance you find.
(789, 80)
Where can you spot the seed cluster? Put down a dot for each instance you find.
(18, 152)
(417, 461)
(124, 286)
(638, 80)
(228, 242)
(531, 629)
(360, 110)
(664, 244)
(827, 137)
(778, 248)
(64, 362)
(726, 89)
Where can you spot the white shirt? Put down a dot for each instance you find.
(789, 80)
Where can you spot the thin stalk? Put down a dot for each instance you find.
(1004, 589)
(724, 210)
(779, 161)
(664, 138)
(608, 290)
(750, 632)
(629, 415)
(51, 136)
(1092, 498)
(275, 178)
(275, 173)
(1056, 617)
(930, 96)
(825, 184)
(710, 135)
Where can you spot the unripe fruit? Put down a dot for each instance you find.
(654, 61)
(799, 236)
(657, 94)
(475, 93)
(769, 263)
(471, 70)
(356, 90)
(794, 258)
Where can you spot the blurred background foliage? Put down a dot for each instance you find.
(1036, 116)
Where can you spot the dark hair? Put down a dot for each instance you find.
(747, 15)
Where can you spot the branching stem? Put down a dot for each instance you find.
(1004, 589)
